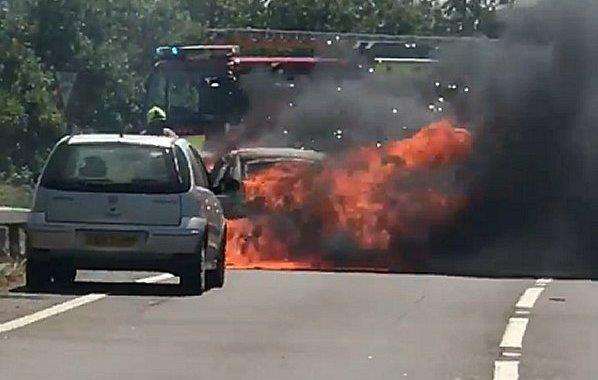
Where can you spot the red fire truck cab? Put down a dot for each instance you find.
(199, 86)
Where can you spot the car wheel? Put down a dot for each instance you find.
(193, 276)
(215, 277)
(37, 274)
(63, 273)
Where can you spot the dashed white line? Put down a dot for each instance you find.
(507, 368)
(529, 298)
(68, 305)
(513, 336)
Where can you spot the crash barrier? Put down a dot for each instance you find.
(12, 233)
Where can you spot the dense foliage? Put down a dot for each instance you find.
(452, 17)
(28, 114)
(66, 63)
(104, 48)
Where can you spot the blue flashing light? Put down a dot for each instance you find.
(168, 52)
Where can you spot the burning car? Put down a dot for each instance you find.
(366, 208)
(236, 168)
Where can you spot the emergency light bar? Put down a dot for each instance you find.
(180, 52)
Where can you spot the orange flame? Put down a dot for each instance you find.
(284, 186)
(372, 198)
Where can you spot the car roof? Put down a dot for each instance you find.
(256, 153)
(161, 141)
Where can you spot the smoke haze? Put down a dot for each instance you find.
(535, 163)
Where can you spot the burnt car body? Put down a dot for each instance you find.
(230, 171)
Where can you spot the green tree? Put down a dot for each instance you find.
(467, 17)
(109, 45)
(380, 16)
(29, 119)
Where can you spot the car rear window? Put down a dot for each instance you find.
(117, 168)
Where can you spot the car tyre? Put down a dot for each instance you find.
(63, 274)
(37, 274)
(193, 277)
(192, 280)
(215, 277)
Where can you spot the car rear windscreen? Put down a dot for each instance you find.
(116, 168)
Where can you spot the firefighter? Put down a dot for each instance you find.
(156, 121)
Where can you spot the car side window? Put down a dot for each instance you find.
(199, 169)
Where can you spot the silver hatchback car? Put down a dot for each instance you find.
(126, 203)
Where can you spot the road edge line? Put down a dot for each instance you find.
(69, 305)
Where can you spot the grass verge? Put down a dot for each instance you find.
(12, 274)
(15, 196)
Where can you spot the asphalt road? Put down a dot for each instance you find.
(293, 325)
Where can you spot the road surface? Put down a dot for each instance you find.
(300, 325)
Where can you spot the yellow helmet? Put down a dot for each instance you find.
(156, 114)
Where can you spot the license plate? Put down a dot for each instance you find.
(111, 240)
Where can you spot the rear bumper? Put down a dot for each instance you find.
(133, 261)
(152, 243)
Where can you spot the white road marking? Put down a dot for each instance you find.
(49, 312)
(529, 298)
(68, 305)
(512, 339)
(513, 336)
(154, 279)
(506, 370)
(543, 281)
(511, 354)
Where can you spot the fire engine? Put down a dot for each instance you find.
(200, 89)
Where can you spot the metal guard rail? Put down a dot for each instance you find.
(15, 219)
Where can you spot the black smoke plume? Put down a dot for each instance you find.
(532, 107)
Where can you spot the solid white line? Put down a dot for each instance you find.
(154, 279)
(529, 298)
(513, 336)
(506, 370)
(49, 312)
(68, 305)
